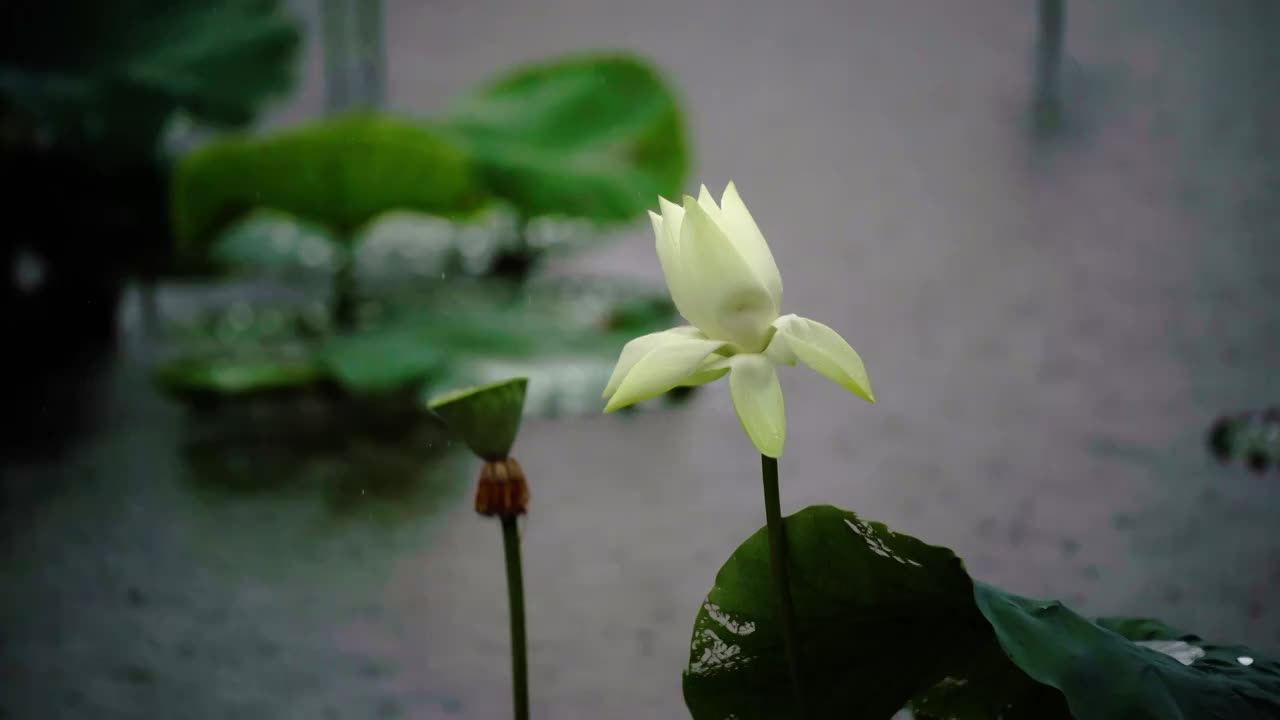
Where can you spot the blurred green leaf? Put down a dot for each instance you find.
(339, 173)
(244, 349)
(384, 359)
(117, 70)
(597, 136)
(230, 376)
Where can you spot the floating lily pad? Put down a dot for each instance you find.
(885, 619)
(394, 248)
(378, 360)
(1252, 438)
(410, 247)
(404, 245)
(231, 376)
(547, 235)
(244, 349)
(565, 336)
(570, 304)
(249, 326)
(272, 243)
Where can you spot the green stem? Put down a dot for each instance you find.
(782, 578)
(515, 596)
(344, 297)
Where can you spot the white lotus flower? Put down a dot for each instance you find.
(724, 281)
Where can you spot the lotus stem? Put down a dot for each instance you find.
(343, 308)
(515, 595)
(782, 578)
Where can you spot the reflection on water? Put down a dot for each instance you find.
(280, 442)
(176, 564)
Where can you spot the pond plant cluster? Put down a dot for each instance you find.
(400, 259)
(404, 253)
(825, 613)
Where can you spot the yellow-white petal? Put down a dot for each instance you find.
(708, 203)
(822, 349)
(671, 359)
(636, 349)
(757, 398)
(702, 377)
(672, 216)
(727, 300)
(666, 231)
(742, 229)
(779, 352)
(711, 369)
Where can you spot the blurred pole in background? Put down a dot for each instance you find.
(354, 54)
(334, 24)
(1048, 100)
(355, 79)
(371, 52)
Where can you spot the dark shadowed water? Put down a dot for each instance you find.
(1050, 323)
